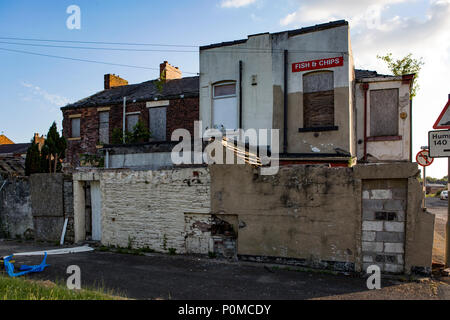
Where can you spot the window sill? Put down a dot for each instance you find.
(384, 138)
(319, 129)
(74, 139)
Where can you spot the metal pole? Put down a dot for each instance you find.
(424, 184)
(447, 229)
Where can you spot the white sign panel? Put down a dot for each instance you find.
(439, 143)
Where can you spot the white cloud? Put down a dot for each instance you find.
(54, 99)
(325, 10)
(236, 3)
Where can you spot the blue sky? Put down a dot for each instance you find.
(35, 87)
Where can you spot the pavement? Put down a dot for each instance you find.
(164, 277)
(438, 207)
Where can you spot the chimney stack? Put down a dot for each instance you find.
(111, 81)
(39, 141)
(169, 72)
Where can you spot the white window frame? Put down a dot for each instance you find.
(235, 95)
(224, 84)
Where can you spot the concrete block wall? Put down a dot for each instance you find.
(156, 209)
(383, 225)
(52, 202)
(16, 219)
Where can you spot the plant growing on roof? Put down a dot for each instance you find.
(406, 65)
(139, 133)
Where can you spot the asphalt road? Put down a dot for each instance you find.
(185, 277)
(438, 207)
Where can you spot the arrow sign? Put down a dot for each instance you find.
(443, 122)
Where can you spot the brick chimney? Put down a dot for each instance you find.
(39, 140)
(169, 72)
(111, 81)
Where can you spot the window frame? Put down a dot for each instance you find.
(321, 128)
(214, 86)
(390, 137)
(138, 114)
(79, 128)
(99, 125)
(229, 96)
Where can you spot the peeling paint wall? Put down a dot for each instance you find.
(156, 209)
(263, 99)
(321, 217)
(308, 213)
(385, 149)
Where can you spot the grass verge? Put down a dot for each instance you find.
(25, 289)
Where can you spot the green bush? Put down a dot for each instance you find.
(138, 134)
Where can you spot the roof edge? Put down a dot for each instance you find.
(292, 32)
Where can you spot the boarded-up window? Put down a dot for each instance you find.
(318, 99)
(75, 122)
(158, 123)
(103, 127)
(132, 120)
(384, 112)
(225, 107)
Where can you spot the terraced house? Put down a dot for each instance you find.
(162, 105)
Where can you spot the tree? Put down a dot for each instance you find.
(54, 149)
(406, 65)
(33, 159)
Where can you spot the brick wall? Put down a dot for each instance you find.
(157, 209)
(181, 113)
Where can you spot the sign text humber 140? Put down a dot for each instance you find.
(439, 142)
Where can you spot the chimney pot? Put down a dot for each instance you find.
(112, 81)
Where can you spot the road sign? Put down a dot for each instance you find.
(423, 158)
(439, 142)
(443, 122)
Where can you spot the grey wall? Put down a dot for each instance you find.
(51, 197)
(16, 220)
(152, 161)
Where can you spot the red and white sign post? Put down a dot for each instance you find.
(423, 159)
(443, 122)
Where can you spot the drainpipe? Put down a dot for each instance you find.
(240, 94)
(366, 89)
(124, 118)
(285, 143)
(410, 131)
(107, 160)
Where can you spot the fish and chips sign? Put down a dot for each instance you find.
(318, 64)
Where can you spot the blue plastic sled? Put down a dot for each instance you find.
(24, 269)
